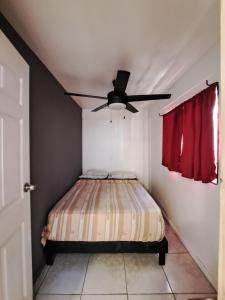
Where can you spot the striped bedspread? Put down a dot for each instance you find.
(105, 210)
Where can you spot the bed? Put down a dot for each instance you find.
(108, 215)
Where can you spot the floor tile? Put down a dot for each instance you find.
(57, 297)
(174, 243)
(185, 276)
(66, 276)
(152, 297)
(194, 296)
(105, 275)
(144, 275)
(104, 297)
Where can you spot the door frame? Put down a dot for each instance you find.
(221, 265)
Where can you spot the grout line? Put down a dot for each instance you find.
(85, 275)
(39, 284)
(124, 294)
(146, 294)
(62, 294)
(137, 294)
(106, 294)
(196, 293)
(125, 275)
(168, 281)
(174, 296)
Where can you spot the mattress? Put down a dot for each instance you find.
(105, 210)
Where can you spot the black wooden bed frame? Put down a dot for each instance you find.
(53, 247)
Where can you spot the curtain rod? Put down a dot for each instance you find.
(207, 83)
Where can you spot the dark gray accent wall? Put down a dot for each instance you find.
(55, 141)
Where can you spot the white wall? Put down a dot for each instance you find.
(136, 144)
(192, 207)
(120, 145)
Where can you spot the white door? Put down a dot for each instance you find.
(15, 228)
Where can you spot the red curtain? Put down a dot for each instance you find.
(172, 134)
(188, 141)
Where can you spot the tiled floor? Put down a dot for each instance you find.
(126, 276)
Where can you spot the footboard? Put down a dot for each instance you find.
(53, 247)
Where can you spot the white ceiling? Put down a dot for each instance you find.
(84, 42)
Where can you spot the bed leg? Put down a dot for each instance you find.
(49, 257)
(162, 258)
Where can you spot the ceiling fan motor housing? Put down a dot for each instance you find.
(116, 100)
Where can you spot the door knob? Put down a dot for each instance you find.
(29, 187)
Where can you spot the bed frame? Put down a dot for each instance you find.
(53, 247)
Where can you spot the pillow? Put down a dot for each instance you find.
(86, 176)
(122, 175)
(94, 174)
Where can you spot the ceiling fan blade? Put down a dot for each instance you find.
(131, 108)
(100, 107)
(134, 98)
(84, 95)
(121, 81)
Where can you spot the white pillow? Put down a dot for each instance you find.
(86, 176)
(94, 174)
(122, 175)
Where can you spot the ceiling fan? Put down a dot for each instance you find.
(118, 99)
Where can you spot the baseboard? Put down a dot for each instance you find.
(196, 259)
(40, 279)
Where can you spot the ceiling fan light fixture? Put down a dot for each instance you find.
(117, 106)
